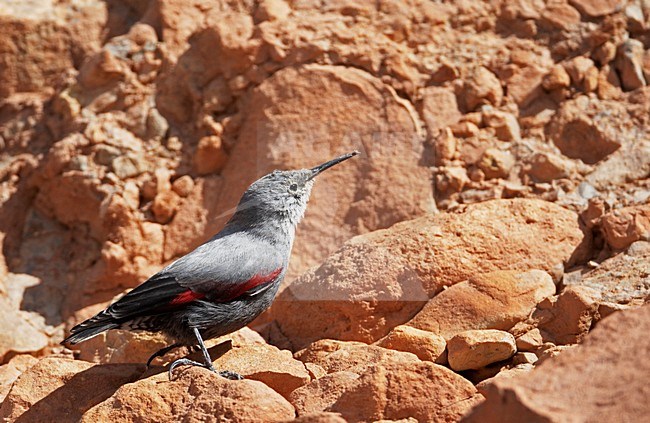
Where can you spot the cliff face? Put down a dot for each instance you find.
(503, 186)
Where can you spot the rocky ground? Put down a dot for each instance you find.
(487, 258)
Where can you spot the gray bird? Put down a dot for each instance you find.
(225, 283)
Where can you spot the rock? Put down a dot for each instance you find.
(10, 371)
(532, 340)
(581, 70)
(425, 345)
(496, 163)
(439, 109)
(101, 69)
(524, 84)
(580, 132)
(320, 418)
(557, 78)
(338, 356)
(164, 206)
(128, 166)
(210, 156)
(474, 349)
(629, 63)
(606, 362)
(451, 179)
(59, 388)
(546, 167)
(567, 318)
(183, 186)
(597, 8)
(195, 395)
(561, 16)
(622, 279)
(272, 10)
(484, 386)
(524, 358)
(482, 87)
(389, 390)
(445, 146)
(122, 346)
(495, 300)
(622, 227)
(267, 364)
(550, 351)
(21, 331)
(380, 280)
(327, 111)
(505, 125)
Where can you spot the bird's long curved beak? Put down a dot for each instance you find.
(318, 169)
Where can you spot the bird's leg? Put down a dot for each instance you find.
(207, 361)
(161, 352)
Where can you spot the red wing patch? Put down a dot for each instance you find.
(186, 297)
(253, 282)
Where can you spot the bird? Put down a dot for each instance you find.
(226, 282)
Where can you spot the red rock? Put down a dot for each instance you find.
(267, 364)
(380, 280)
(596, 8)
(629, 62)
(494, 300)
(580, 134)
(557, 78)
(389, 390)
(482, 87)
(183, 186)
(427, 346)
(607, 361)
(622, 227)
(474, 349)
(439, 109)
(525, 84)
(164, 206)
(210, 156)
(338, 356)
(10, 371)
(195, 395)
(505, 125)
(59, 388)
(546, 167)
(496, 163)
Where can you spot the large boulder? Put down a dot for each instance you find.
(380, 280)
(602, 379)
(195, 395)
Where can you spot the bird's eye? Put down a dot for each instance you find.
(293, 187)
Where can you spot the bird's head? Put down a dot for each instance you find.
(284, 193)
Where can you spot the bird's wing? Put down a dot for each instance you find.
(220, 270)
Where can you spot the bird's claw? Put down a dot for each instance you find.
(230, 375)
(184, 361)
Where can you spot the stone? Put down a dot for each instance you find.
(482, 87)
(505, 125)
(450, 179)
(427, 346)
(597, 8)
(496, 300)
(547, 167)
(561, 16)
(530, 341)
(267, 364)
(578, 130)
(524, 85)
(210, 156)
(474, 349)
(496, 163)
(629, 63)
(164, 206)
(580, 70)
(58, 387)
(21, 331)
(439, 109)
(183, 186)
(557, 78)
(10, 371)
(338, 356)
(622, 227)
(484, 386)
(194, 395)
(389, 390)
(445, 146)
(524, 358)
(330, 110)
(622, 279)
(606, 362)
(101, 69)
(380, 280)
(272, 10)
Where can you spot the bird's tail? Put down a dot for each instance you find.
(90, 328)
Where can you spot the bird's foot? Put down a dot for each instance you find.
(185, 361)
(188, 362)
(230, 375)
